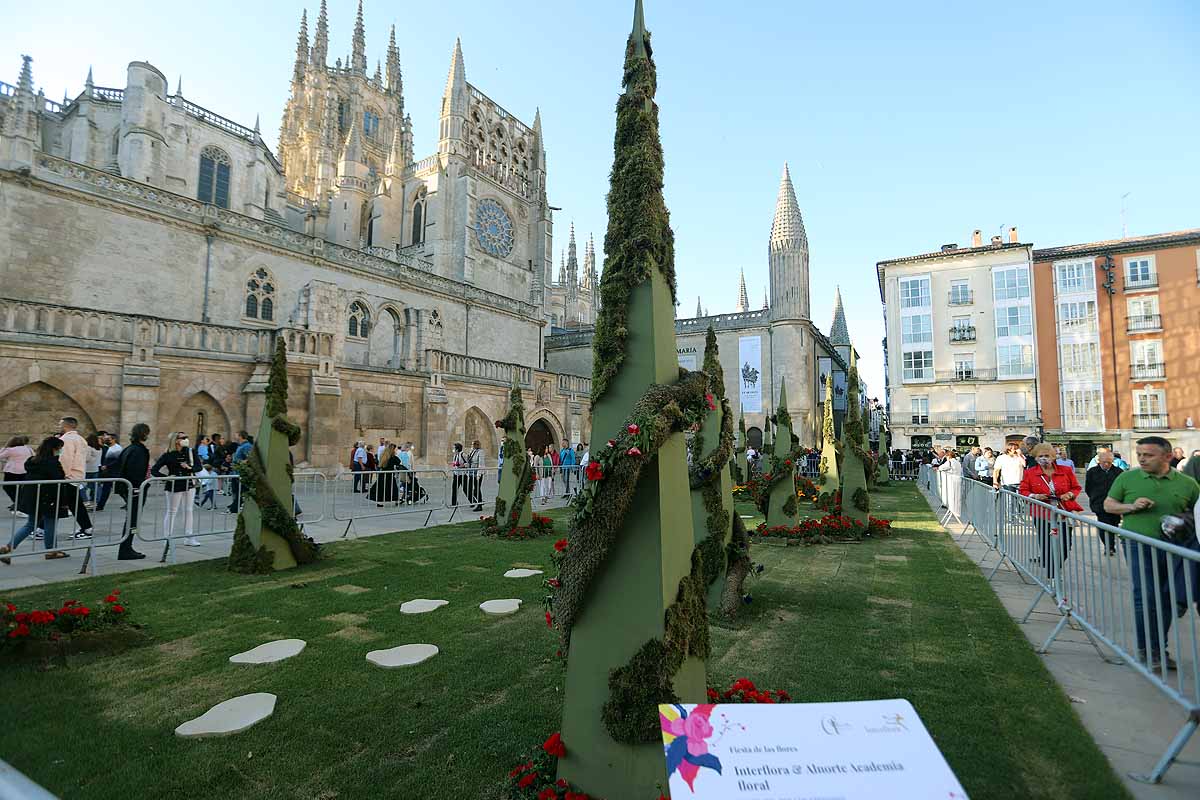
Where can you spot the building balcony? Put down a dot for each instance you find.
(962, 333)
(1144, 323)
(966, 374)
(1150, 422)
(962, 298)
(1082, 324)
(1014, 371)
(970, 418)
(1132, 285)
(1147, 372)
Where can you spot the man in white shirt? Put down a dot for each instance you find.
(74, 463)
(983, 465)
(359, 463)
(1009, 468)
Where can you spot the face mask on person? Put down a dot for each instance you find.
(185, 442)
(1045, 461)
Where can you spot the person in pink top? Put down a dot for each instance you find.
(13, 457)
(74, 458)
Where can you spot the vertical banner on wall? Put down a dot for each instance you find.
(750, 361)
(689, 357)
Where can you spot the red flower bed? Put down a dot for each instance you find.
(743, 690)
(831, 527)
(54, 625)
(538, 526)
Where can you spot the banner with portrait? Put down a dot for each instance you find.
(751, 377)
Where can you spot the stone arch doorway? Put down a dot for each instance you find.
(201, 415)
(477, 427)
(754, 436)
(538, 435)
(34, 411)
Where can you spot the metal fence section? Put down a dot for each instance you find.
(51, 517)
(1136, 598)
(371, 494)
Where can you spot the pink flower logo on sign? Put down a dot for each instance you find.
(685, 740)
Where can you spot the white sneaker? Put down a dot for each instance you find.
(38, 534)
(20, 514)
(192, 542)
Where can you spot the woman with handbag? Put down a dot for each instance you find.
(178, 462)
(1056, 485)
(43, 503)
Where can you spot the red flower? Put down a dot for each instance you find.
(517, 770)
(632, 428)
(19, 631)
(549, 620)
(633, 451)
(554, 583)
(11, 608)
(560, 545)
(528, 779)
(713, 696)
(712, 406)
(612, 442)
(554, 745)
(787, 463)
(118, 609)
(594, 471)
(549, 793)
(562, 783)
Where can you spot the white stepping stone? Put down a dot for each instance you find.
(270, 652)
(232, 716)
(403, 656)
(522, 573)
(421, 606)
(500, 608)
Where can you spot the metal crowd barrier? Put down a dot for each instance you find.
(371, 494)
(1136, 599)
(72, 515)
(170, 515)
(903, 470)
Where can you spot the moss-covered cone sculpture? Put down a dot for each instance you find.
(856, 500)
(712, 489)
(514, 509)
(631, 606)
(781, 508)
(883, 475)
(741, 471)
(267, 536)
(830, 481)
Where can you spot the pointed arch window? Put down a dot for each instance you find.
(213, 184)
(359, 326)
(418, 219)
(371, 123)
(260, 296)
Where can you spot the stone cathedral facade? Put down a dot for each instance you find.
(153, 250)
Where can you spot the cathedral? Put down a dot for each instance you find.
(155, 249)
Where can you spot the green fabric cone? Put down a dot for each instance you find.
(741, 472)
(830, 480)
(781, 505)
(712, 488)
(633, 572)
(856, 498)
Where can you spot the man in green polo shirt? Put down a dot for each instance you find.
(1143, 497)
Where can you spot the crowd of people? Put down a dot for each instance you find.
(92, 468)
(1157, 499)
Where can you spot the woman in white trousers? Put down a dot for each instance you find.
(179, 462)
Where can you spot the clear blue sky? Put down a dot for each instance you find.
(906, 125)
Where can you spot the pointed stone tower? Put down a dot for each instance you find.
(788, 256)
(743, 303)
(267, 537)
(699, 310)
(358, 59)
(781, 509)
(839, 332)
(632, 609)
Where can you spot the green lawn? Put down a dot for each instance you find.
(826, 623)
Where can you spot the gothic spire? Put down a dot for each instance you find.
(320, 46)
(353, 151)
(839, 334)
(572, 259)
(699, 311)
(743, 303)
(88, 86)
(179, 86)
(456, 81)
(25, 82)
(788, 226)
(396, 160)
(378, 73)
(358, 60)
(766, 305)
(301, 48)
(395, 81)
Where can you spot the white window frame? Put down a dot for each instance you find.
(913, 336)
(1075, 277)
(1159, 398)
(911, 375)
(1150, 280)
(1079, 359)
(960, 291)
(919, 408)
(1023, 292)
(964, 366)
(924, 296)
(1023, 324)
(1013, 413)
(1004, 368)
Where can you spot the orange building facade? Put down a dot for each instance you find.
(1118, 348)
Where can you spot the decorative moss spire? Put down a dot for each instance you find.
(639, 241)
(631, 606)
(741, 470)
(781, 500)
(712, 489)
(883, 474)
(830, 482)
(856, 501)
(267, 537)
(513, 506)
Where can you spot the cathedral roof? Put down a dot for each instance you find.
(839, 334)
(788, 225)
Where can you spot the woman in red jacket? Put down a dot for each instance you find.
(1057, 486)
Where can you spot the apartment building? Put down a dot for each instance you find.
(961, 337)
(1124, 358)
